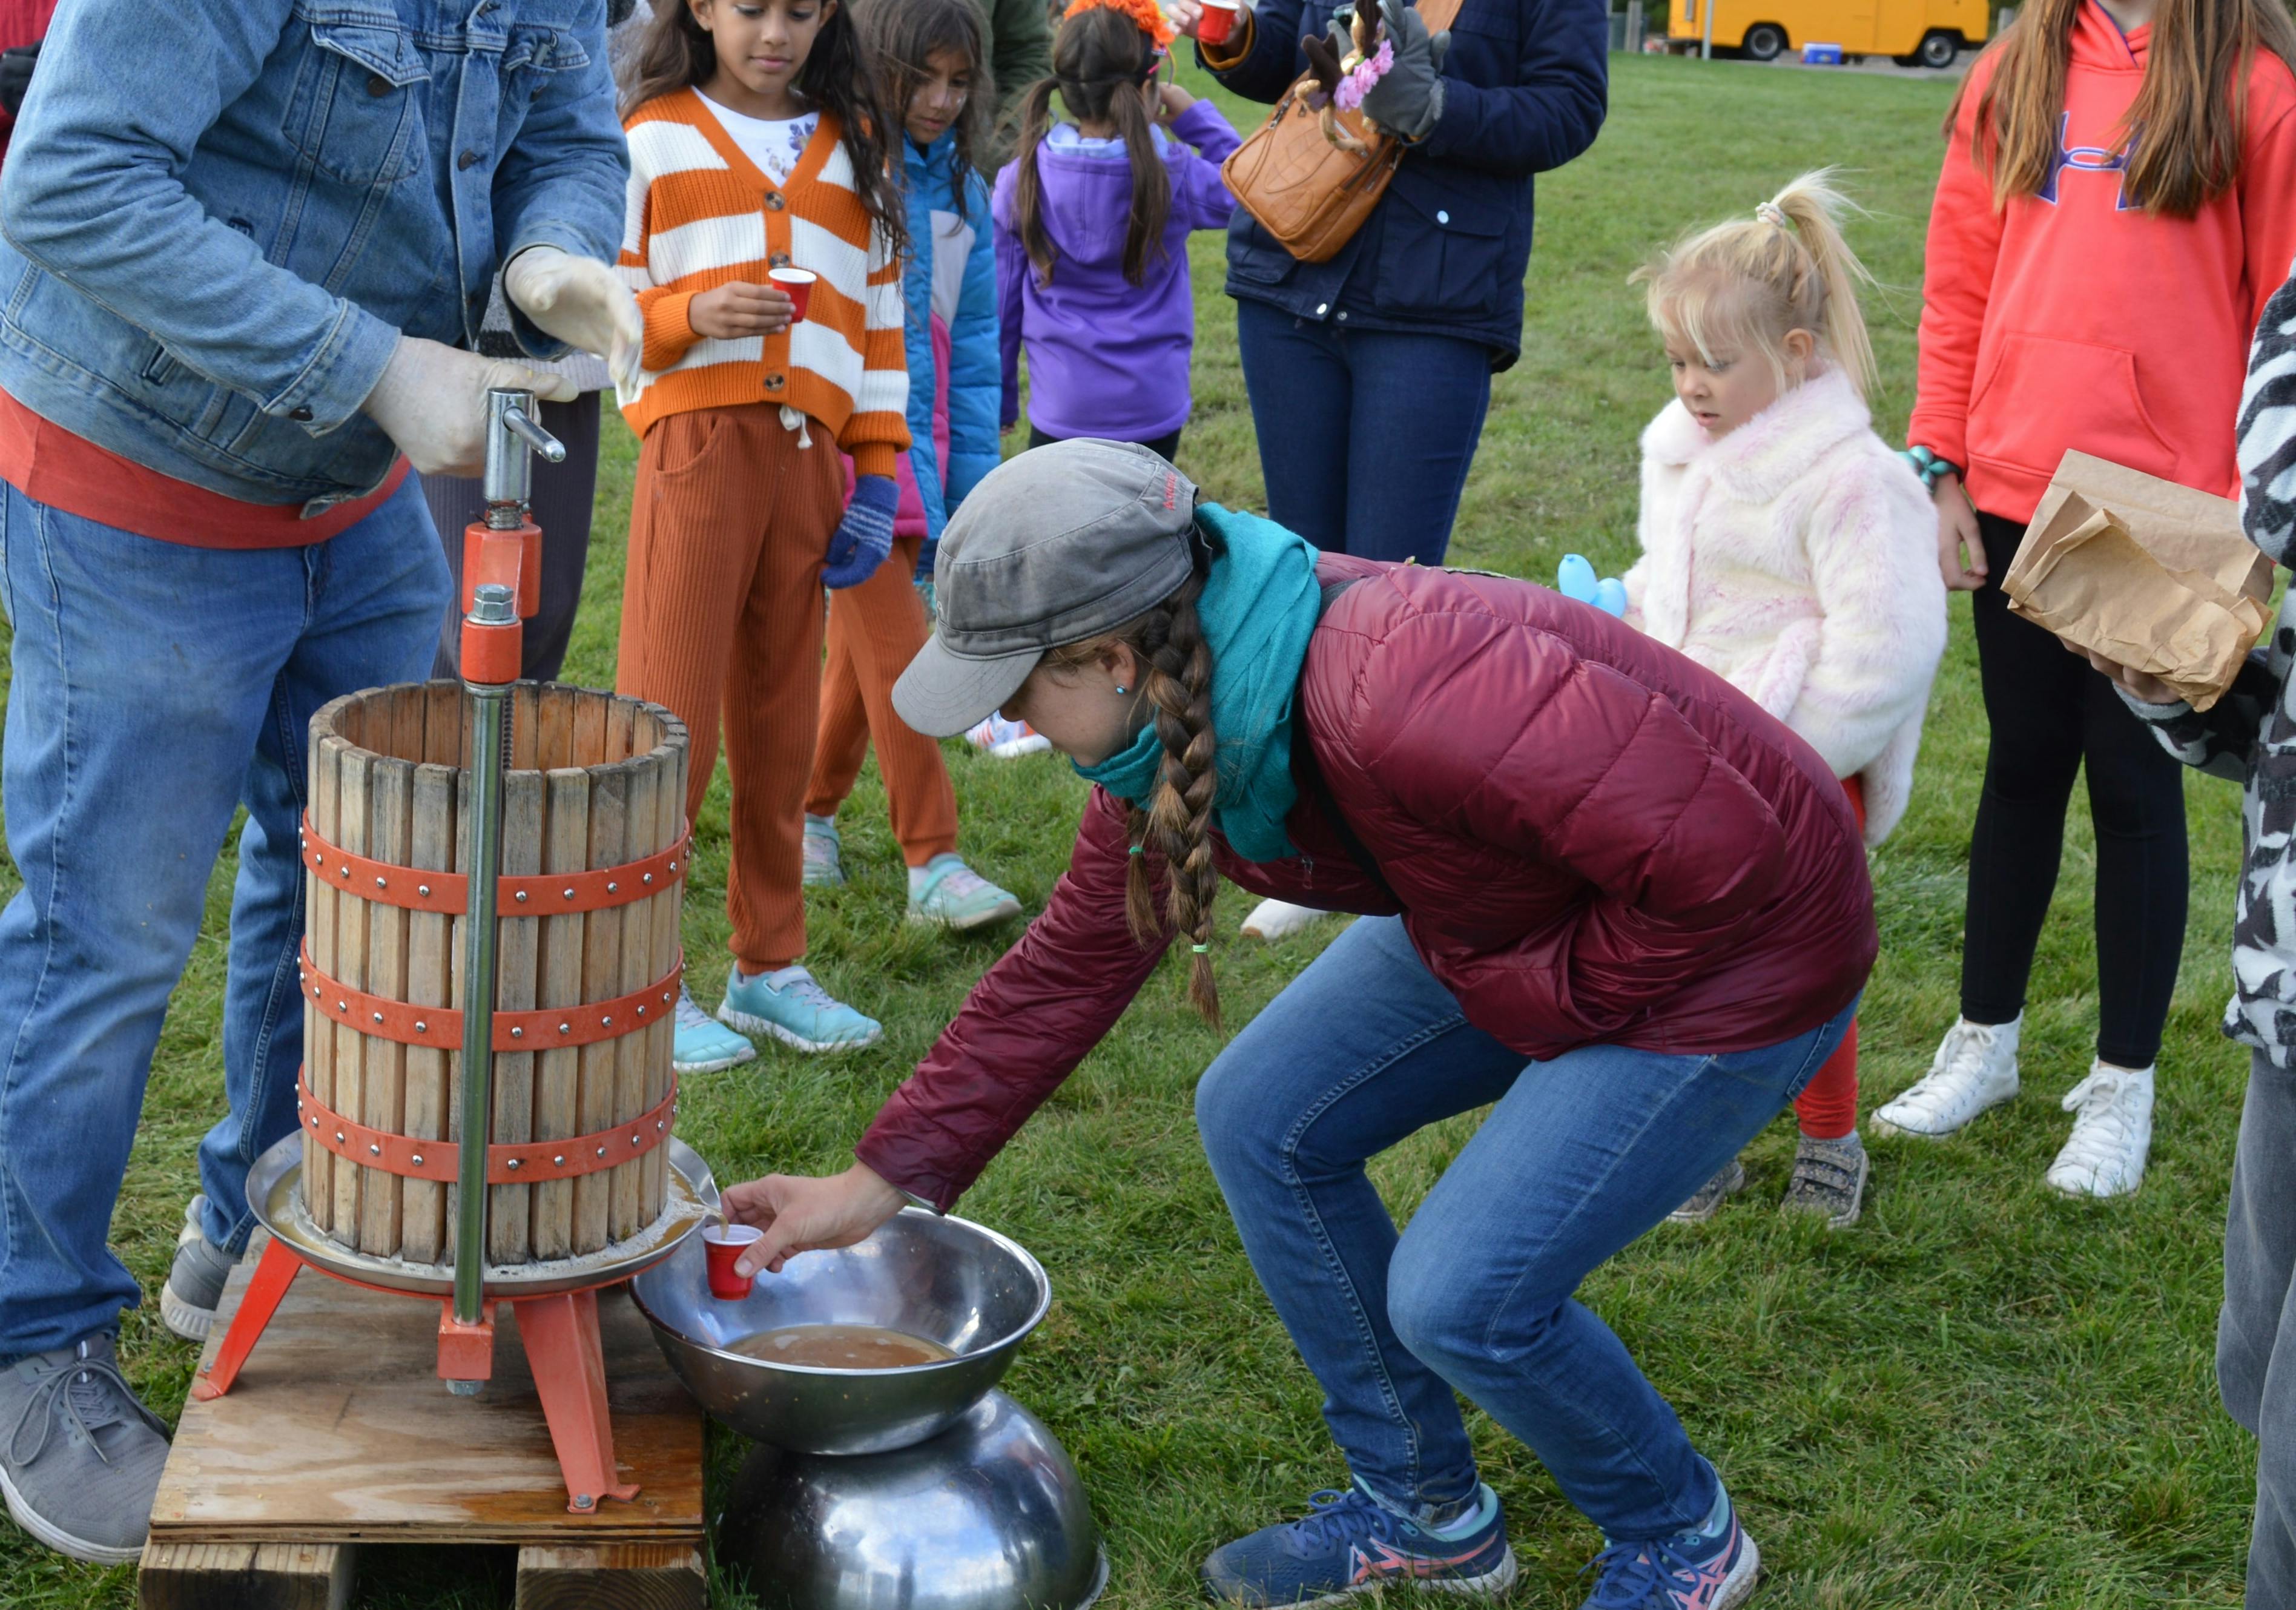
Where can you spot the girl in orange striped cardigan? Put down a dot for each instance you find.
(754, 147)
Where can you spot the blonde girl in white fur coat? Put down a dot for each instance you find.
(1787, 547)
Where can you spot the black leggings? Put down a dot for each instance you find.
(2049, 713)
(1167, 447)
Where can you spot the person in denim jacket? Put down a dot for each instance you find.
(249, 244)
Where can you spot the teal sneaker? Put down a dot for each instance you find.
(793, 1008)
(1350, 1545)
(824, 865)
(705, 1045)
(947, 892)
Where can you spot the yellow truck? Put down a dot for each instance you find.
(1917, 33)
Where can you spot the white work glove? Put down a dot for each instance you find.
(582, 302)
(431, 400)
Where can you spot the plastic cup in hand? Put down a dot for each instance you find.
(722, 1243)
(1217, 23)
(798, 283)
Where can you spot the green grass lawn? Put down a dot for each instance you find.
(1983, 1395)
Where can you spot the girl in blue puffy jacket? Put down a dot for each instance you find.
(931, 60)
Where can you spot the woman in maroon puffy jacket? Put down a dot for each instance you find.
(1602, 889)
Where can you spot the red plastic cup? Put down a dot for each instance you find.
(1217, 24)
(723, 1243)
(798, 283)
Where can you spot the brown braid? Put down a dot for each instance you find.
(1176, 821)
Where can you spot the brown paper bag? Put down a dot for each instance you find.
(2148, 573)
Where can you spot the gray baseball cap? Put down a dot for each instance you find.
(1063, 543)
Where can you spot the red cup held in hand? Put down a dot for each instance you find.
(797, 283)
(1217, 23)
(723, 1243)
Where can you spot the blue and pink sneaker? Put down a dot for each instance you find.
(1692, 1572)
(1352, 1544)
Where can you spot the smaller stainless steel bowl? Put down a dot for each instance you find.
(988, 1515)
(947, 1280)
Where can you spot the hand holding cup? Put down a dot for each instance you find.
(739, 308)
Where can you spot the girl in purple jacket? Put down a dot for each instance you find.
(1091, 232)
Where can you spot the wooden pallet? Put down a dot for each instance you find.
(339, 1436)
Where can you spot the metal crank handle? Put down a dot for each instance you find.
(541, 440)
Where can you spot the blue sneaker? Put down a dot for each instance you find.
(1688, 1572)
(1351, 1544)
(824, 863)
(703, 1045)
(793, 1008)
(949, 894)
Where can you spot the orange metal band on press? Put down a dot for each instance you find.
(544, 1028)
(547, 894)
(414, 1158)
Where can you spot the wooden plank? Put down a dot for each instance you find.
(526, 727)
(444, 720)
(319, 929)
(589, 742)
(383, 1094)
(667, 907)
(355, 769)
(554, 718)
(358, 1441)
(621, 729)
(430, 983)
(558, 1077)
(626, 1211)
(409, 709)
(602, 980)
(613, 1577)
(517, 965)
(245, 1576)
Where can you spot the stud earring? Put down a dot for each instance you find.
(1122, 689)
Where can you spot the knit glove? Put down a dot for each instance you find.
(1408, 101)
(431, 400)
(582, 302)
(864, 537)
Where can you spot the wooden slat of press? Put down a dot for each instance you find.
(627, 1215)
(354, 772)
(430, 967)
(602, 980)
(589, 738)
(511, 1207)
(526, 725)
(558, 1074)
(319, 928)
(554, 719)
(391, 802)
(621, 729)
(457, 939)
(246, 1576)
(443, 721)
(667, 907)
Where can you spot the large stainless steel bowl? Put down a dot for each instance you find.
(945, 1280)
(988, 1515)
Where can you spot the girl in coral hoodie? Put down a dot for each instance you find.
(2118, 203)
(1786, 547)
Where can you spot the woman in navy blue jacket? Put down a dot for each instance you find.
(1369, 373)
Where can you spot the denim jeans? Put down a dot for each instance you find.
(156, 687)
(2257, 1379)
(1365, 435)
(1580, 1156)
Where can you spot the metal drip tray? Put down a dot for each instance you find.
(273, 1192)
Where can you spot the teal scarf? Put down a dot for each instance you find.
(1259, 606)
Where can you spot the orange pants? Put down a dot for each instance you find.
(875, 631)
(1827, 1105)
(721, 612)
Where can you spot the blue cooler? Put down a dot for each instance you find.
(1821, 55)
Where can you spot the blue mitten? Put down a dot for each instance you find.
(864, 537)
(1574, 579)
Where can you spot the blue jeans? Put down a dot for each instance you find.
(1365, 435)
(1580, 1156)
(156, 687)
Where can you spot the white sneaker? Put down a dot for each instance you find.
(1008, 740)
(1975, 1068)
(2112, 1132)
(1279, 919)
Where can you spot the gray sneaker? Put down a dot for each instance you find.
(187, 1302)
(82, 1457)
(1829, 1177)
(1709, 1198)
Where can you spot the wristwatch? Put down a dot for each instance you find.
(1929, 466)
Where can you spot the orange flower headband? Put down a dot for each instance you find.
(1146, 13)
